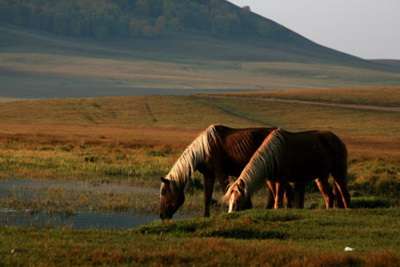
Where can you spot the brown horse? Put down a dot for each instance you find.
(293, 157)
(217, 153)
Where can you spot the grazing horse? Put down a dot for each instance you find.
(217, 153)
(293, 157)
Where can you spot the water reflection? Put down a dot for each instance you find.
(80, 220)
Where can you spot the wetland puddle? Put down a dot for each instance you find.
(80, 220)
(26, 189)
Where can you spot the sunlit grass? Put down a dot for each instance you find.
(137, 139)
(276, 238)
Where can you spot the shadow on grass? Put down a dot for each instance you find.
(241, 225)
(175, 228)
(237, 233)
(370, 202)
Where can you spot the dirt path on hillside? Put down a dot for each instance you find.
(317, 103)
(336, 105)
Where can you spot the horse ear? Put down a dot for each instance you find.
(164, 180)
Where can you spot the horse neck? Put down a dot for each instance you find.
(264, 164)
(253, 181)
(183, 169)
(196, 153)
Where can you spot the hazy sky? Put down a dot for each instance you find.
(365, 28)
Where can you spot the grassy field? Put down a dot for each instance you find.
(269, 238)
(139, 137)
(131, 141)
(135, 140)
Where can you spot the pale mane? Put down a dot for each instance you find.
(264, 164)
(198, 151)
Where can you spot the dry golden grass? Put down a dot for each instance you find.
(126, 135)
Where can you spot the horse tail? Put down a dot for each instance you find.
(338, 153)
(339, 156)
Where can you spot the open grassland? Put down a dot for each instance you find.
(268, 238)
(135, 140)
(36, 65)
(82, 75)
(131, 141)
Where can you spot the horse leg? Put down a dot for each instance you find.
(278, 195)
(288, 195)
(270, 194)
(209, 180)
(343, 192)
(338, 198)
(326, 192)
(299, 191)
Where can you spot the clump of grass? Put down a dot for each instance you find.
(94, 162)
(378, 177)
(161, 152)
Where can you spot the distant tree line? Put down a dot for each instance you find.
(102, 19)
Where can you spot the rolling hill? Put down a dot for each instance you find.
(120, 47)
(389, 62)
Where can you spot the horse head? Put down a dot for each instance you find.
(171, 198)
(237, 197)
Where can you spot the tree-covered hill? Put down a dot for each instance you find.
(166, 20)
(54, 48)
(103, 19)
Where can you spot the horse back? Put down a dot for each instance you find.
(237, 146)
(314, 153)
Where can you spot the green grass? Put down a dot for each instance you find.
(333, 229)
(378, 177)
(276, 238)
(95, 163)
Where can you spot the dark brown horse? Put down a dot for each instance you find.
(217, 153)
(293, 157)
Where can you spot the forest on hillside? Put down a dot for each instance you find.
(103, 19)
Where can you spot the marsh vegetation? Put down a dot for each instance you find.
(106, 155)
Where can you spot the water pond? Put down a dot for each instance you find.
(80, 219)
